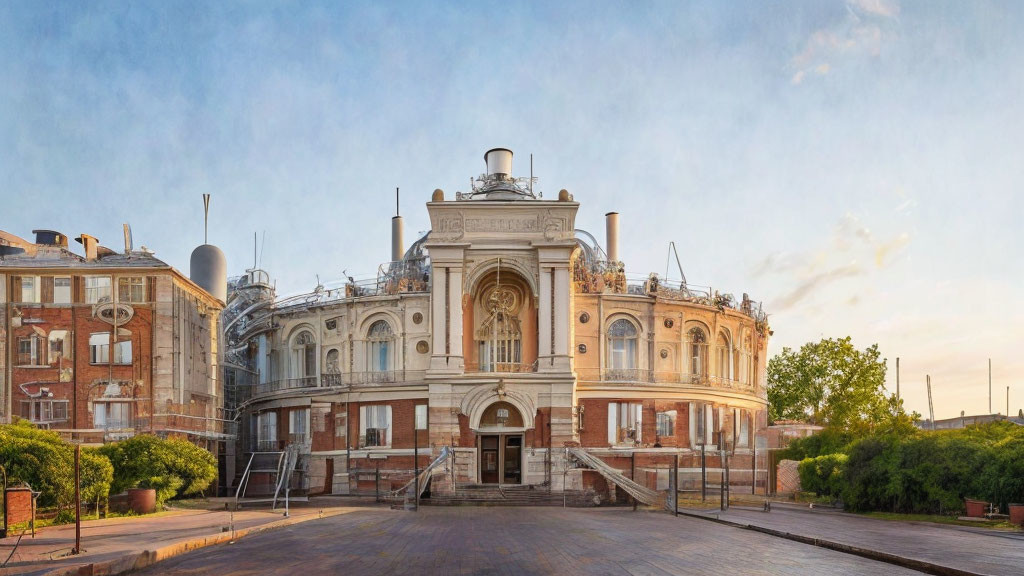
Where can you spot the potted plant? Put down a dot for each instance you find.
(975, 508)
(1017, 514)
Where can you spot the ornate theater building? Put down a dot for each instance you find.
(503, 342)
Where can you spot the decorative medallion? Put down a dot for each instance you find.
(664, 353)
(669, 323)
(422, 347)
(417, 318)
(332, 324)
(584, 318)
(582, 348)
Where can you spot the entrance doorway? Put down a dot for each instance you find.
(501, 457)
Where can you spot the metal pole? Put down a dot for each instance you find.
(753, 468)
(675, 486)
(416, 462)
(722, 505)
(703, 476)
(78, 501)
(633, 476)
(376, 483)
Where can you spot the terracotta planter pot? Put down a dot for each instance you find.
(975, 508)
(1017, 514)
(142, 500)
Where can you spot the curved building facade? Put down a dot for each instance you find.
(510, 337)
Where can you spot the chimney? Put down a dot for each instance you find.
(397, 251)
(612, 236)
(499, 163)
(50, 238)
(89, 244)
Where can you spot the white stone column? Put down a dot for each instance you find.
(544, 344)
(438, 318)
(561, 312)
(455, 359)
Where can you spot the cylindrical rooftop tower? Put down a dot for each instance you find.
(499, 162)
(209, 269)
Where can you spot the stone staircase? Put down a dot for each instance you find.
(494, 495)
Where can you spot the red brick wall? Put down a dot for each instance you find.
(19, 506)
(79, 324)
(403, 413)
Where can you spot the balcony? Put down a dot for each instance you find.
(643, 377)
(501, 367)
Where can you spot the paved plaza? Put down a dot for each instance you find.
(472, 540)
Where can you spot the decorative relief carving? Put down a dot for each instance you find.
(456, 226)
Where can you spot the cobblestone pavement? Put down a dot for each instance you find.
(478, 540)
(976, 550)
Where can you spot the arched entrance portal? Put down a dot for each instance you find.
(500, 444)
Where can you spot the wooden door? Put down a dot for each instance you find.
(489, 473)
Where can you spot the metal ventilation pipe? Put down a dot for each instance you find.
(612, 235)
(397, 246)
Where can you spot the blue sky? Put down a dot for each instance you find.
(855, 164)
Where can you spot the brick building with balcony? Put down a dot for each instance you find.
(105, 345)
(508, 338)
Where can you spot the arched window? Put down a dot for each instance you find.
(500, 334)
(303, 355)
(745, 361)
(622, 346)
(698, 352)
(723, 356)
(380, 344)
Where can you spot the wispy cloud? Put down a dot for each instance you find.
(850, 242)
(815, 282)
(859, 34)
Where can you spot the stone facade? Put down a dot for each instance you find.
(516, 338)
(105, 346)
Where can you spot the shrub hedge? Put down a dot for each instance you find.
(173, 467)
(921, 471)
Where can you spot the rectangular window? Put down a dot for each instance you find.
(339, 425)
(97, 289)
(298, 425)
(112, 415)
(667, 423)
(624, 422)
(99, 348)
(704, 424)
(58, 349)
(741, 422)
(374, 426)
(421, 416)
(44, 411)
(123, 352)
(30, 289)
(131, 289)
(62, 290)
(267, 430)
(32, 351)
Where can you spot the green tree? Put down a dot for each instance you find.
(833, 384)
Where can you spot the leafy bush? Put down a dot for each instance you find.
(932, 472)
(47, 463)
(823, 475)
(173, 467)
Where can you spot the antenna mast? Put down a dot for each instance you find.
(931, 409)
(397, 213)
(206, 218)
